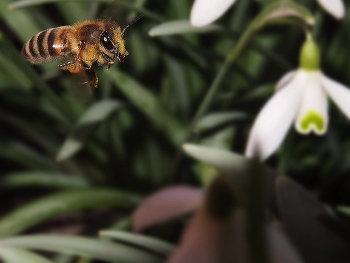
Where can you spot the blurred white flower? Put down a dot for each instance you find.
(301, 96)
(334, 7)
(205, 12)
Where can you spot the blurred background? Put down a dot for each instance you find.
(60, 137)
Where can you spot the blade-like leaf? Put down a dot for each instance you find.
(224, 161)
(149, 105)
(25, 3)
(214, 120)
(63, 202)
(82, 246)
(343, 209)
(179, 27)
(41, 178)
(18, 255)
(26, 156)
(85, 127)
(12, 71)
(18, 21)
(153, 244)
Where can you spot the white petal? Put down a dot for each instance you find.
(285, 80)
(205, 12)
(334, 7)
(339, 93)
(275, 118)
(313, 110)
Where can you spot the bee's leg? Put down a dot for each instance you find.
(110, 64)
(76, 66)
(92, 76)
(73, 66)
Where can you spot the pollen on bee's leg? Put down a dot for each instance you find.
(109, 65)
(72, 66)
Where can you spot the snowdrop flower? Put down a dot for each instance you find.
(205, 12)
(301, 96)
(334, 7)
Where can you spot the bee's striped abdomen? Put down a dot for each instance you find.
(47, 45)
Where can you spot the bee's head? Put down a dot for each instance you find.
(112, 45)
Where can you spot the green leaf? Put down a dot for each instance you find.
(83, 246)
(205, 173)
(13, 72)
(221, 139)
(153, 244)
(214, 120)
(223, 160)
(42, 178)
(26, 3)
(85, 127)
(60, 203)
(180, 87)
(259, 93)
(50, 102)
(73, 11)
(345, 210)
(179, 27)
(149, 105)
(28, 157)
(284, 10)
(17, 255)
(122, 224)
(19, 20)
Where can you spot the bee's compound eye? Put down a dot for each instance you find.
(106, 41)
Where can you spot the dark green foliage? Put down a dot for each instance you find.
(75, 159)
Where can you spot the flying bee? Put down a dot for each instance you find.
(86, 42)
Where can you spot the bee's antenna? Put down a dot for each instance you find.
(131, 23)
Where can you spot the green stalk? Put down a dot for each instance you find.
(277, 12)
(255, 228)
(273, 13)
(214, 87)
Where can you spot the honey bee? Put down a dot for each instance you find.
(86, 42)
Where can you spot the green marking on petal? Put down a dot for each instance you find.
(313, 121)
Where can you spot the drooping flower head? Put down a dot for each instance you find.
(301, 96)
(205, 12)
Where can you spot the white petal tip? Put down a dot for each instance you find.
(205, 12)
(199, 19)
(339, 14)
(334, 7)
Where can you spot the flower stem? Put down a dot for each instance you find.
(273, 12)
(214, 87)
